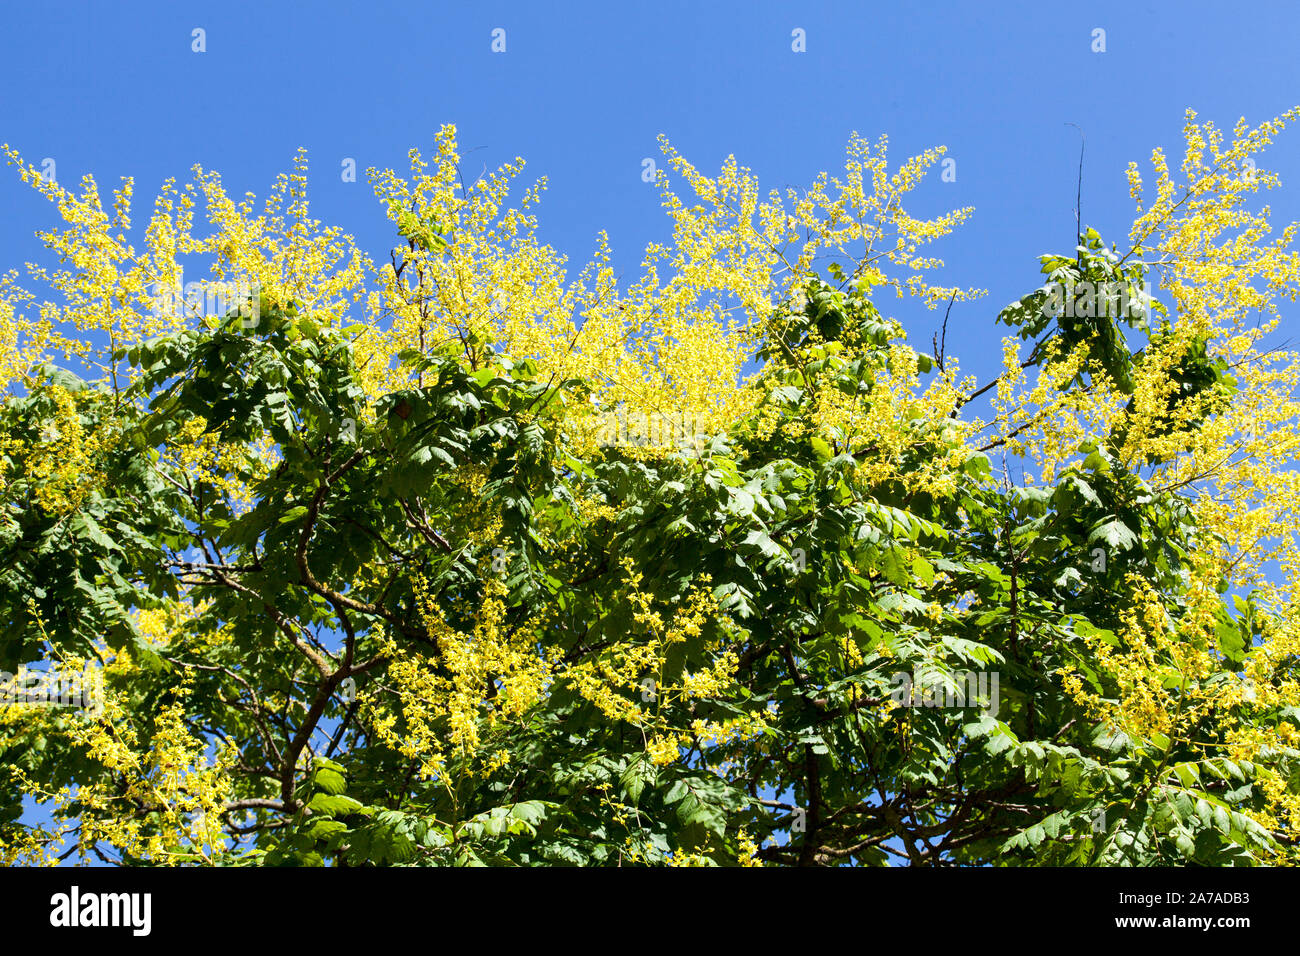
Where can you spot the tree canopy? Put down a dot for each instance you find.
(458, 559)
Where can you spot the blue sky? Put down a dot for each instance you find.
(583, 89)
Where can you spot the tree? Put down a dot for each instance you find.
(710, 568)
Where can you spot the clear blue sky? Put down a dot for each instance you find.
(584, 88)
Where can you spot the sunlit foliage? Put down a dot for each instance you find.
(460, 557)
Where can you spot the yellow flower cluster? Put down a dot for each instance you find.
(161, 791)
(1168, 681)
(63, 466)
(452, 703)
